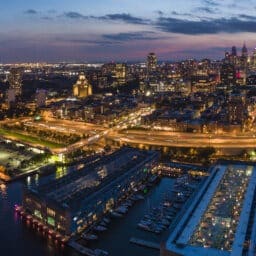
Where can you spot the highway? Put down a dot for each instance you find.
(99, 131)
(178, 139)
(144, 137)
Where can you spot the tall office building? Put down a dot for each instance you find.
(244, 63)
(15, 81)
(244, 56)
(228, 74)
(151, 62)
(82, 88)
(253, 59)
(244, 51)
(234, 51)
(233, 56)
(120, 73)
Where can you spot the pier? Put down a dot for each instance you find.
(145, 243)
(81, 249)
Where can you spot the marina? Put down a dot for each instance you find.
(119, 225)
(42, 245)
(122, 229)
(160, 217)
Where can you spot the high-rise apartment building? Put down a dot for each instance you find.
(120, 73)
(40, 97)
(15, 81)
(151, 62)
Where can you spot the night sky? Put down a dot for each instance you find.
(123, 30)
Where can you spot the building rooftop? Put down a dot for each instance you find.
(72, 190)
(217, 219)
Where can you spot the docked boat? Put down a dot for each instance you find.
(99, 228)
(89, 237)
(165, 221)
(116, 214)
(146, 222)
(128, 203)
(143, 226)
(102, 223)
(167, 204)
(106, 220)
(121, 209)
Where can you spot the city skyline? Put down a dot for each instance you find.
(96, 31)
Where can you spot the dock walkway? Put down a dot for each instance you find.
(83, 250)
(145, 243)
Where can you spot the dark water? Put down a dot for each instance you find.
(116, 239)
(17, 238)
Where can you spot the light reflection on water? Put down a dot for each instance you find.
(19, 237)
(3, 190)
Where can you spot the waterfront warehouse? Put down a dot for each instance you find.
(72, 203)
(220, 219)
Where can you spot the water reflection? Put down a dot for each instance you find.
(36, 179)
(28, 181)
(3, 190)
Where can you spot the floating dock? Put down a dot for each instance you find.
(81, 249)
(145, 243)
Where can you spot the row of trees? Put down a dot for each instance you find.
(202, 155)
(53, 136)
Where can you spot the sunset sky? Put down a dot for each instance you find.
(123, 30)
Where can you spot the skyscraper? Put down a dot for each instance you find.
(244, 63)
(244, 51)
(82, 88)
(253, 60)
(40, 97)
(15, 81)
(120, 73)
(151, 62)
(233, 57)
(234, 51)
(228, 74)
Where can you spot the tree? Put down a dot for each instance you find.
(206, 153)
